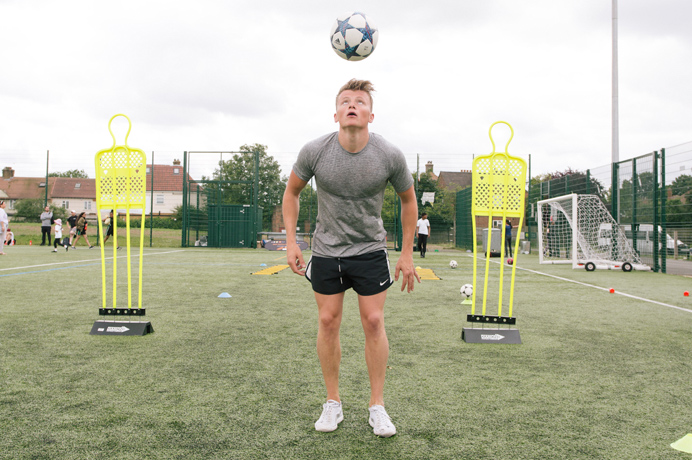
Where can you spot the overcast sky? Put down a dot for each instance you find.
(214, 75)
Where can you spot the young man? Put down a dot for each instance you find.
(422, 232)
(352, 167)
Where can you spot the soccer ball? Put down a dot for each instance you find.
(453, 264)
(354, 36)
(466, 291)
(510, 261)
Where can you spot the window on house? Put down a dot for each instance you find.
(176, 170)
(77, 185)
(148, 170)
(87, 205)
(159, 199)
(11, 204)
(66, 204)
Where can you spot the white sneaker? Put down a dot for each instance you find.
(332, 415)
(380, 422)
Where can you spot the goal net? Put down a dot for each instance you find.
(579, 230)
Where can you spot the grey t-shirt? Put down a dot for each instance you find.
(350, 192)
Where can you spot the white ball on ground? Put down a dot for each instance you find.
(453, 264)
(466, 291)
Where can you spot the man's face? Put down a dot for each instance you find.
(353, 108)
(47, 209)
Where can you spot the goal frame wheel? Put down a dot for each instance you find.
(589, 266)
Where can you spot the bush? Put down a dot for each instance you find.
(158, 222)
(30, 210)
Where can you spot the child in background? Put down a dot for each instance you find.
(9, 240)
(58, 235)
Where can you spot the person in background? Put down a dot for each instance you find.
(9, 239)
(508, 238)
(109, 231)
(57, 239)
(422, 232)
(82, 230)
(46, 222)
(72, 220)
(4, 226)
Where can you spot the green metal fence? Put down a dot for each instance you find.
(212, 213)
(650, 196)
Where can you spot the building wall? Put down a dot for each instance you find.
(164, 202)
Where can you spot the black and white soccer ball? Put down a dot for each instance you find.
(453, 263)
(354, 36)
(466, 291)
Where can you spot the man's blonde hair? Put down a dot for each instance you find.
(357, 85)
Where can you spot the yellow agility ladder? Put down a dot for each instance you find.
(121, 184)
(499, 181)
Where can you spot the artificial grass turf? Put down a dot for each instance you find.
(598, 375)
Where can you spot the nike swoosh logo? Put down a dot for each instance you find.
(382, 283)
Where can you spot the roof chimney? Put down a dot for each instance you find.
(429, 167)
(176, 162)
(7, 173)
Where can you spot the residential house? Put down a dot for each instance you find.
(73, 193)
(167, 188)
(13, 189)
(79, 194)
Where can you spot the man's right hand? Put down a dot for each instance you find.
(294, 256)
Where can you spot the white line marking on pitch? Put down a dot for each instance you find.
(598, 287)
(87, 260)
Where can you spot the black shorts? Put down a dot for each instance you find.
(368, 274)
(109, 231)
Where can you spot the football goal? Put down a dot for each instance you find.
(579, 230)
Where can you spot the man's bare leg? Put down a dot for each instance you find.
(376, 343)
(330, 309)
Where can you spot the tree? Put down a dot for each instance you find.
(681, 185)
(678, 212)
(561, 183)
(308, 207)
(30, 210)
(71, 173)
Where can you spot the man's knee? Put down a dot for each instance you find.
(329, 321)
(373, 323)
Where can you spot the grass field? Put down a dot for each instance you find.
(159, 238)
(598, 376)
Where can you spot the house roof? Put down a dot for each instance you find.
(72, 187)
(16, 188)
(166, 179)
(453, 179)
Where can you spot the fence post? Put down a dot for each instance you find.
(151, 210)
(664, 223)
(186, 217)
(657, 251)
(634, 226)
(615, 193)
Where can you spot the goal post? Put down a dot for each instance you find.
(579, 230)
(557, 232)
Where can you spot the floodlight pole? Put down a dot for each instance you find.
(615, 147)
(45, 201)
